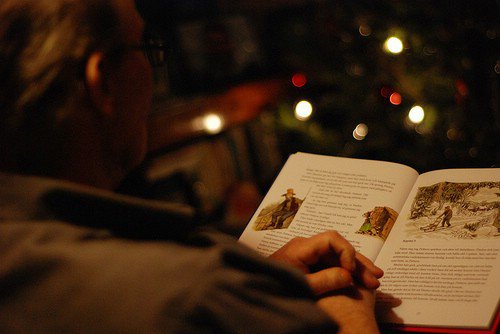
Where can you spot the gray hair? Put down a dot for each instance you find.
(44, 46)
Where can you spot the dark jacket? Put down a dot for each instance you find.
(75, 259)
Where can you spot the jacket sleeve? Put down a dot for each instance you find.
(245, 293)
(56, 278)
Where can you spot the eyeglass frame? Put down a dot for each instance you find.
(153, 50)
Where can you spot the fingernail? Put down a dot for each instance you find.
(346, 279)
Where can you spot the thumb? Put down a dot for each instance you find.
(330, 279)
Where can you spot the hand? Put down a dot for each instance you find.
(352, 309)
(329, 261)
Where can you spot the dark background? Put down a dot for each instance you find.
(450, 66)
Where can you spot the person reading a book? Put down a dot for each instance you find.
(75, 88)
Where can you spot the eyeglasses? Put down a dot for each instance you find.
(154, 49)
(152, 45)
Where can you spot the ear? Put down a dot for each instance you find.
(97, 83)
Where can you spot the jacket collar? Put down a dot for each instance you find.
(36, 198)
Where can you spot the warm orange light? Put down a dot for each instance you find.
(212, 123)
(395, 98)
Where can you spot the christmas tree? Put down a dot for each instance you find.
(409, 82)
(414, 82)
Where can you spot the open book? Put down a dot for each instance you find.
(435, 235)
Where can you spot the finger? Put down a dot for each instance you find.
(366, 277)
(329, 280)
(330, 242)
(363, 260)
(292, 253)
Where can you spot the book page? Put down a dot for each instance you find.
(441, 260)
(313, 193)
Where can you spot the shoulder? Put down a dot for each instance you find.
(86, 278)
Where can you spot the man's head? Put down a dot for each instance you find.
(289, 193)
(74, 92)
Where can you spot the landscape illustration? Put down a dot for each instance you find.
(279, 214)
(378, 222)
(449, 210)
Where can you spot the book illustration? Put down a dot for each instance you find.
(439, 264)
(443, 218)
(457, 210)
(278, 215)
(378, 222)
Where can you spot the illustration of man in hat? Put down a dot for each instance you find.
(287, 208)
